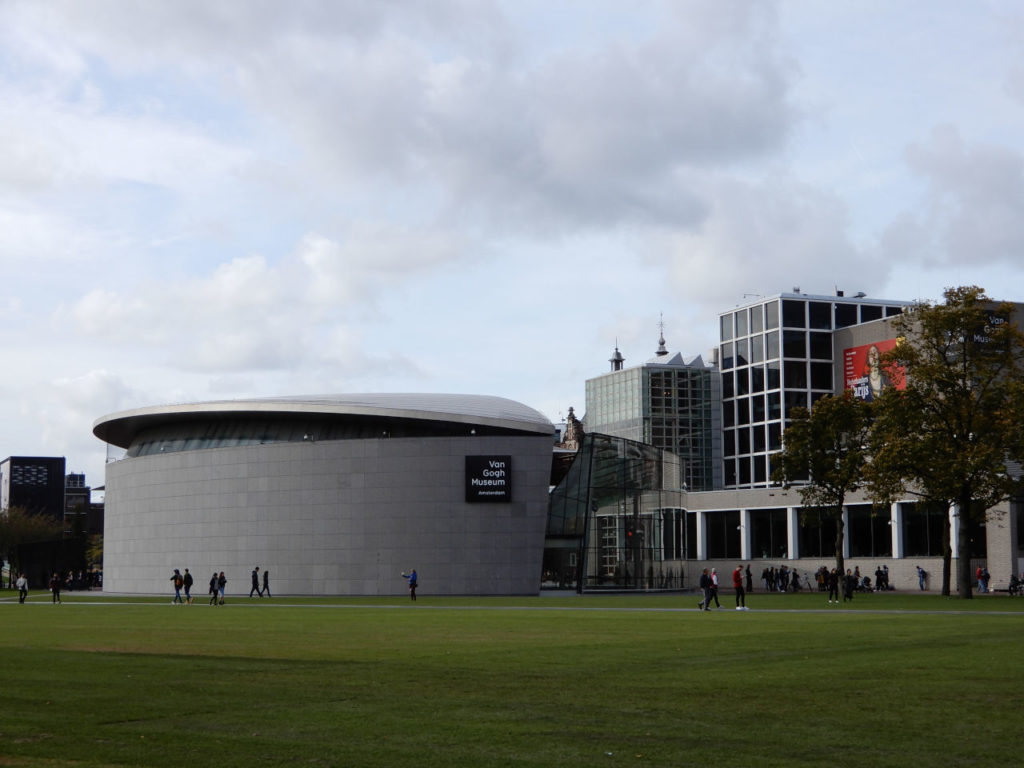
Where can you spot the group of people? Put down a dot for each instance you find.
(265, 590)
(781, 579)
(218, 582)
(983, 577)
(709, 588)
(833, 581)
(183, 587)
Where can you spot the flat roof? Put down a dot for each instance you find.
(486, 410)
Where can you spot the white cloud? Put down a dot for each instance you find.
(256, 198)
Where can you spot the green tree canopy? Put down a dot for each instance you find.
(825, 449)
(948, 436)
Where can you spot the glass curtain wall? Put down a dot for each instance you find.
(616, 520)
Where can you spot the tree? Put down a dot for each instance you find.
(18, 527)
(948, 435)
(825, 449)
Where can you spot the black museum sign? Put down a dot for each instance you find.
(488, 478)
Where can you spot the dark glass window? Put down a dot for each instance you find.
(771, 315)
(821, 346)
(725, 329)
(756, 319)
(728, 388)
(794, 344)
(846, 315)
(742, 411)
(743, 381)
(691, 536)
(729, 437)
(774, 371)
(742, 358)
(759, 444)
(723, 535)
(757, 349)
(729, 414)
(771, 345)
(817, 537)
(819, 315)
(757, 408)
(774, 405)
(870, 312)
(742, 441)
(741, 323)
(796, 374)
(760, 472)
(727, 356)
(795, 400)
(744, 471)
(757, 378)
(769, 538)
(891, 311)
(774, 436)
(821, 376)
(869, 531)
(922, 529)
(793, 314)
(730, 471)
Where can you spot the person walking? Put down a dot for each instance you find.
(256, 582)
(413, 580)
(705, 588)
(213, 589)
(922, 577)
(832, 582)
(22, 585)
(266, 583)
(714, 588)
(737, 584)
(849, 584)
(750, 579)
(222, 582)
(187, 581)
(55, 583)
(178, 583)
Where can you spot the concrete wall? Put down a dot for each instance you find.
(329, 518)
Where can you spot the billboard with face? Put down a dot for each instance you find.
(864, 374)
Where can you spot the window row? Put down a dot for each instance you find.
(816, 345)
(801, 313)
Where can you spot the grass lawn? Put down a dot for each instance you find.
(892, 680)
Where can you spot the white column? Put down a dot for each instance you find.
(793, 532)
(744, 534)
(702, 536)
(896, 527)
(846, 532)
(954, 530)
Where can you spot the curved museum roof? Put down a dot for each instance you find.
(121, 428)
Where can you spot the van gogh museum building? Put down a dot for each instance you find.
(668, 473)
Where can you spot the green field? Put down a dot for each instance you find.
(891, 680)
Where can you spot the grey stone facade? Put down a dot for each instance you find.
(341, 517)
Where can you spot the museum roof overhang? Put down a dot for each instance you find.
(486, 411)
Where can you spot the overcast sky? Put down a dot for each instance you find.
(206, 200)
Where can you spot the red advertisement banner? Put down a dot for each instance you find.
(864, 374)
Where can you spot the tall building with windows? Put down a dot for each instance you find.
(666, 402)
(777, 354)
(33, 483)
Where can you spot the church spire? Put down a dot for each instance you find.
(662, 351)
(617, 359)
